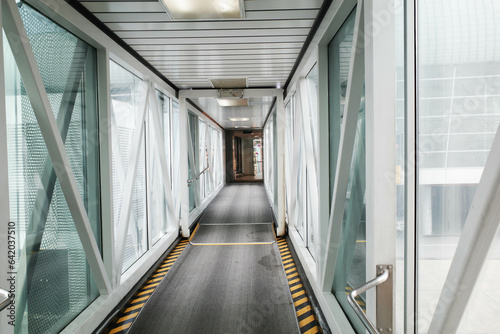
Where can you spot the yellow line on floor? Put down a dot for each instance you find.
(194, 232)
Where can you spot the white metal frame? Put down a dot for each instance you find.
(128, 187)
(380, 102)
(478, 236)
(112, 284)
(348, 135)
(14, 30)
(410, 168)
(380, 139)
(188, 153)
(247, 93)
(4, 192)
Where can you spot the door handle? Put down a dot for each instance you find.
(384, 319)
(5, 300)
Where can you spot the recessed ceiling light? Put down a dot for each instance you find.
(232, 102)
(239, 119)
(203, 9)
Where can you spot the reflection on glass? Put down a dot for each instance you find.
(203, 158)
(125, 99)
(399, 312)
(458, 116)
(157, 201)
(350, 271)
(312, 113)
(339, 57)
(176, 158)
(192, 170)
(54, 283)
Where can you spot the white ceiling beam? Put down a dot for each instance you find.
(214, 40)
(209, 54)
(282, 5)
(210, 25)
(124, 6)
(248, 93)
(282, 15)
(223, 58)
(144, 34)
(250, 48)
(163, 17)
(236, 64)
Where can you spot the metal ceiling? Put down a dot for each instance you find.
(263, 47)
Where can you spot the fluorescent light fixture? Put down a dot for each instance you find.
(241, 127)
(239, 119)
(232, 102)
(203, 9)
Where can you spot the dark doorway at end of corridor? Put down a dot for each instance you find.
(244, 156)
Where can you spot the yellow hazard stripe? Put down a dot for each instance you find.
(306, 321)
(297, 289)
(139, 300)
(120, 328)
(133, 315)
(313, 330)
(233, 244)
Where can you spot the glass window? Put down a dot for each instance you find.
(399, 311)
(339, 57)
(312, 113)
(176, 154)
(125, 98)
(457, 115)
(58, 284)
(157, 201)
(350, 271)
(203, 129)
(192, 169)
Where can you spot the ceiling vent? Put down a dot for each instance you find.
(229, 83)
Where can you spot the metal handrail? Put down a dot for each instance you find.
(197, 176)
(5, 300)
(384, 275)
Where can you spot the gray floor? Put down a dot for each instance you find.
(239, 203)
(225, 288)
(234, 233)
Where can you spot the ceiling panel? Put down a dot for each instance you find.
(261, 48)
